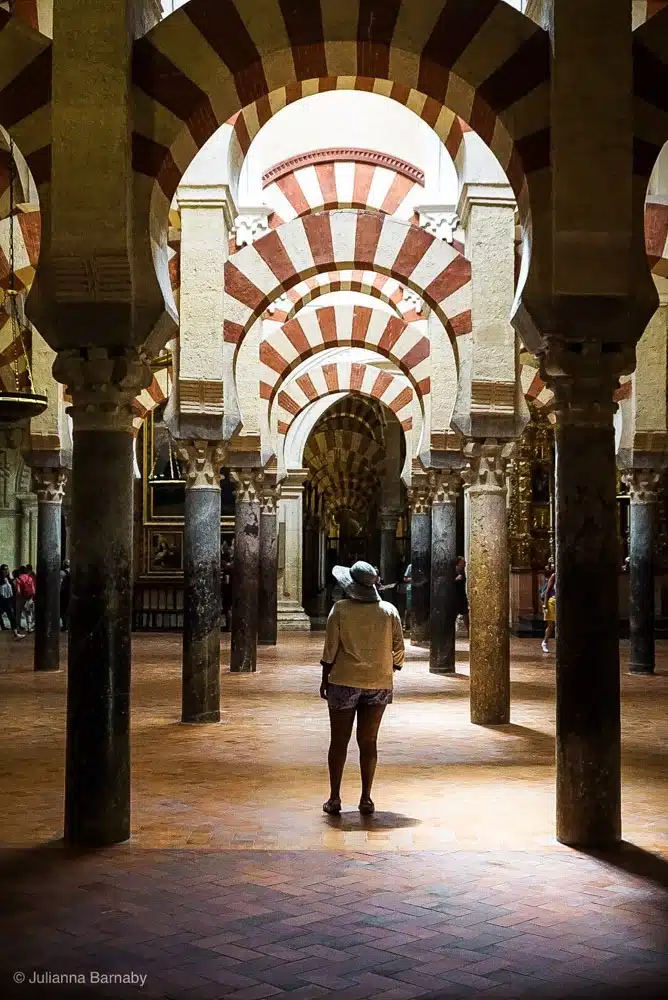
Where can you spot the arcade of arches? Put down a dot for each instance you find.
(314, 281)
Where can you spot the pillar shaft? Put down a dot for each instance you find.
(268, 597)
(246, 571)
(388, 547)
(643, 484)
(49, 484)
(420, 565)
(488, 583)
(588, 687)
(443, 607)
(200, 691)
(97, 773)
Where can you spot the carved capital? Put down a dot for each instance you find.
(643, 484)
(103, 383)
(250, 485)
(202, 461)
(49, 484)
(444, 485)
(389, 520)
(269, 499)
(488, 463)
(251, 225)
(419, 498)
(440, 222)
(583, 381)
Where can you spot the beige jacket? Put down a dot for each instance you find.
(364, 642)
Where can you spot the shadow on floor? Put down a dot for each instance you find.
(349, 821)
(634, 860)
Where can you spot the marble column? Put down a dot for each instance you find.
(200, 689)
(388, 547)
(444, 486)
(49, 485)
(420, 504)
(588, 740)
(268, 598)
(643, 485)
(489, 581)
(291, 614)
(246, 588)
(102, 385)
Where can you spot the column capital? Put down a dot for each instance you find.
(269, 499)
(585, 380)
(444, 485)
(389, 520)
(643, 484)
(203, 460)
(487, 463)
(250, 485)
(103, 383)
(49, 484)
(419, 498)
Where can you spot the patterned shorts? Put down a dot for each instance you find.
(340, 697)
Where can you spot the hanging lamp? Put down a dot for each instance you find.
(20, 402)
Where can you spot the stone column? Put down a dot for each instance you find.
(444, 486)
(268, 599)
(102, 385)
(488, 582)
(291, 614)
(27, 507)
(388, 546)
(200, 691)
(49, 485)
(587, 565)
(246, 588)
(420, 505)
(643, 485)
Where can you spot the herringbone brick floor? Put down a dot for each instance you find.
(236, 885)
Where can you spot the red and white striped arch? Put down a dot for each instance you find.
(342, 178)
(14, 373)
(148, 399)
(393, 390)
(377, 286)
(485, 61)
(27, 230)
(331, 241)
(324, 444)
(317, 330)
(643, 10)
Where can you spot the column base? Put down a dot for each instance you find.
(291, 617)
(443, 670)
(212, 719)
(647, 671)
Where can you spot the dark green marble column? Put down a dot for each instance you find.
(49, 484)
(643, 485)
(420, 564)
(443, 608)
(245, 606)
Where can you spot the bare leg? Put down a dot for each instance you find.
(341, 724)
(369, 718)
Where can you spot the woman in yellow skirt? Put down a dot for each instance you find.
(550, 611)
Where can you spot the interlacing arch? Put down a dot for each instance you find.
(248, 122)
(377, 286)
(333, 241)
(327, 445)
(327, 179)
(317, 330)
(393, 390)
(194, 70)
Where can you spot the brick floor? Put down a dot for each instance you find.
(236, 885)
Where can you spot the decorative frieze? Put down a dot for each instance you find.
(202, 462)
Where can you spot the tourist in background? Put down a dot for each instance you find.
(8, 601)
(24, 587)
(461, 597)
(65, 581)
(550, 610)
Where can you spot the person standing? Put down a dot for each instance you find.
(8, 601)
(408, 591)
(364, 645)
(24, 585)
(550, 611)
(461, 597)
(65, 580)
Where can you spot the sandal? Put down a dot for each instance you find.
(366, 807)
(332, 807)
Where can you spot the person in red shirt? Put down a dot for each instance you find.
(25, 596)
